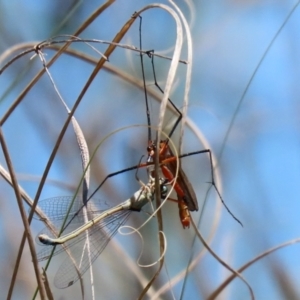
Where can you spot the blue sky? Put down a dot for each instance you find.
(259, 166)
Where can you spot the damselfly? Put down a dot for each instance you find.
(96, 233)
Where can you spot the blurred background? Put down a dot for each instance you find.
(255, 141)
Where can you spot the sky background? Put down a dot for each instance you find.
(259, 165)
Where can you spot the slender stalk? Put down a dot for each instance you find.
(93, 16)
(23, 216)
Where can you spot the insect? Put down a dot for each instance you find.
(186, 196)
(85, 243)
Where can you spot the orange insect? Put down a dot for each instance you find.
(187, 200)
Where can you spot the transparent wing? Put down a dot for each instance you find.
(46, 250)
(87, 248)
(81, 251)
(56, 208)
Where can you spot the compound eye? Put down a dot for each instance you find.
(163, 191)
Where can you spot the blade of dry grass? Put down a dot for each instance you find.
(23, 216)
(248, 264)
(47, 286)
(188, 73)
(170, 79)
(84, 154)
(236, 273)
(16, 103)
